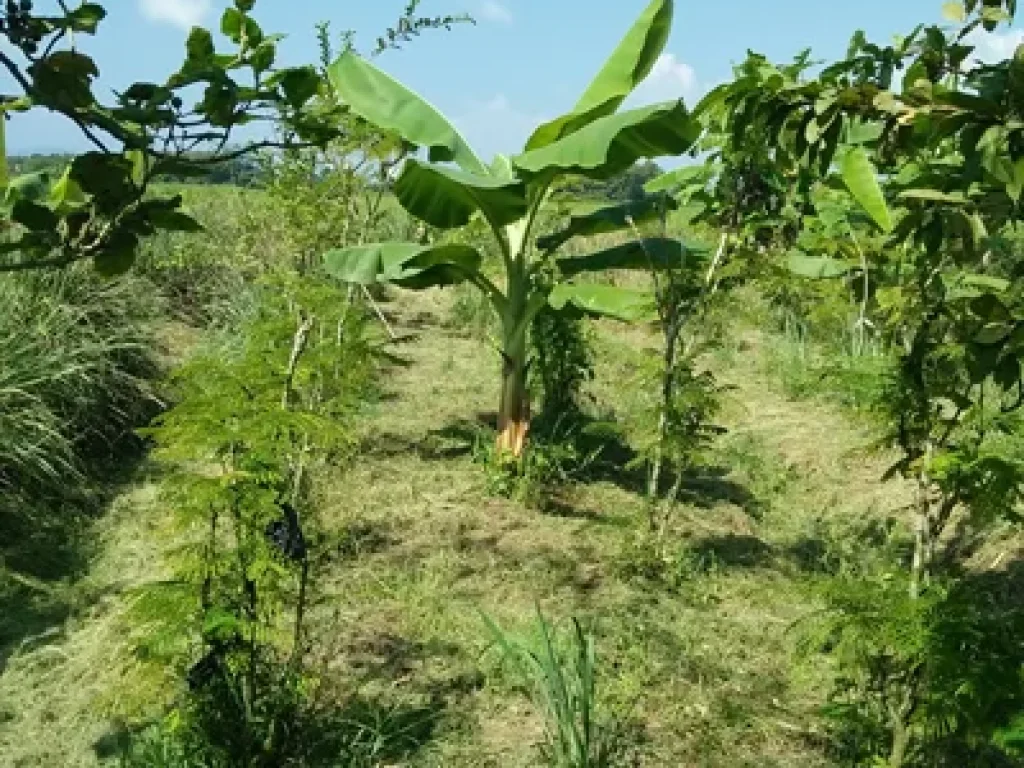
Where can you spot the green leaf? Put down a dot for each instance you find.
(680, 177)
(199, 46)
(66, 195)
(221, 624)
(861, 179)
(387, 104)
(993, 333)
(628, 65)
(817, 267)
(604, 301)
(231, 24)
(370, 264)
(252, 33)
(108, 177)
(611, 145)
(299, 85)
(989, 307)
(934, 196)
(118, 255)
(173, 221)
(64, 80)
(86, 18)
(990, 282)
(407, 264)
(502, 168)
(1007, 373)
(859, 131)
(612, 218)
(655, 253)
(262, 57)
(28, 186)
(34, 216)
(146, 92)
(715, 99)
(448, 197)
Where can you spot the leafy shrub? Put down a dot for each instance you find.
(934, 681)
(205, 276)
(471, 313)
(654, 559)
(560, 453)
(255, 417)
(808, 370)
(563, 363)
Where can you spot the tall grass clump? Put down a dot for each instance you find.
(76, 365)
(560, 676)
(204, 277)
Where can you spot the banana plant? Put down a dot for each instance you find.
(453, 186)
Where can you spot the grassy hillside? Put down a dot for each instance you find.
(695, 643)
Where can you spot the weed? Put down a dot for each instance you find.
(654, 559)
(560, 453)
(471, 313)
(563, 685)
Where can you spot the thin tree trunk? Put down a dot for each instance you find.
(300, 607)
(860, 340)
(902, 734)
(514, 405)
(380, 314)
(920, 570)
(673, 319)
(299, 343)
(900, 743)
(668, 384)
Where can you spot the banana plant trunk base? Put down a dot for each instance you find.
(512, 438)
(514, 410)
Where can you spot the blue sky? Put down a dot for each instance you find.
(524, 61)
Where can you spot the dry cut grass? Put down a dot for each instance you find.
(702, 669)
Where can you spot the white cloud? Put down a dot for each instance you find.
(492, 10)
(671, 78)
(180, 13)
(992, 47)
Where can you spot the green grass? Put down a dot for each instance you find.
(77, 361)
(697, 650)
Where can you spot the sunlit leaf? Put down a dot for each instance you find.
(628, 65)
(613, 218)
(680, 177)
(861, 180)
(611, 145)
(387, 104)
(402, 263)
(955, 12)
(604, 301)
(448, 197)
(817, 267)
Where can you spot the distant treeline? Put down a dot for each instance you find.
(251, 171)
(622, 188)
(246, 171)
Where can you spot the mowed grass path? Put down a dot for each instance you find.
(702, 664)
